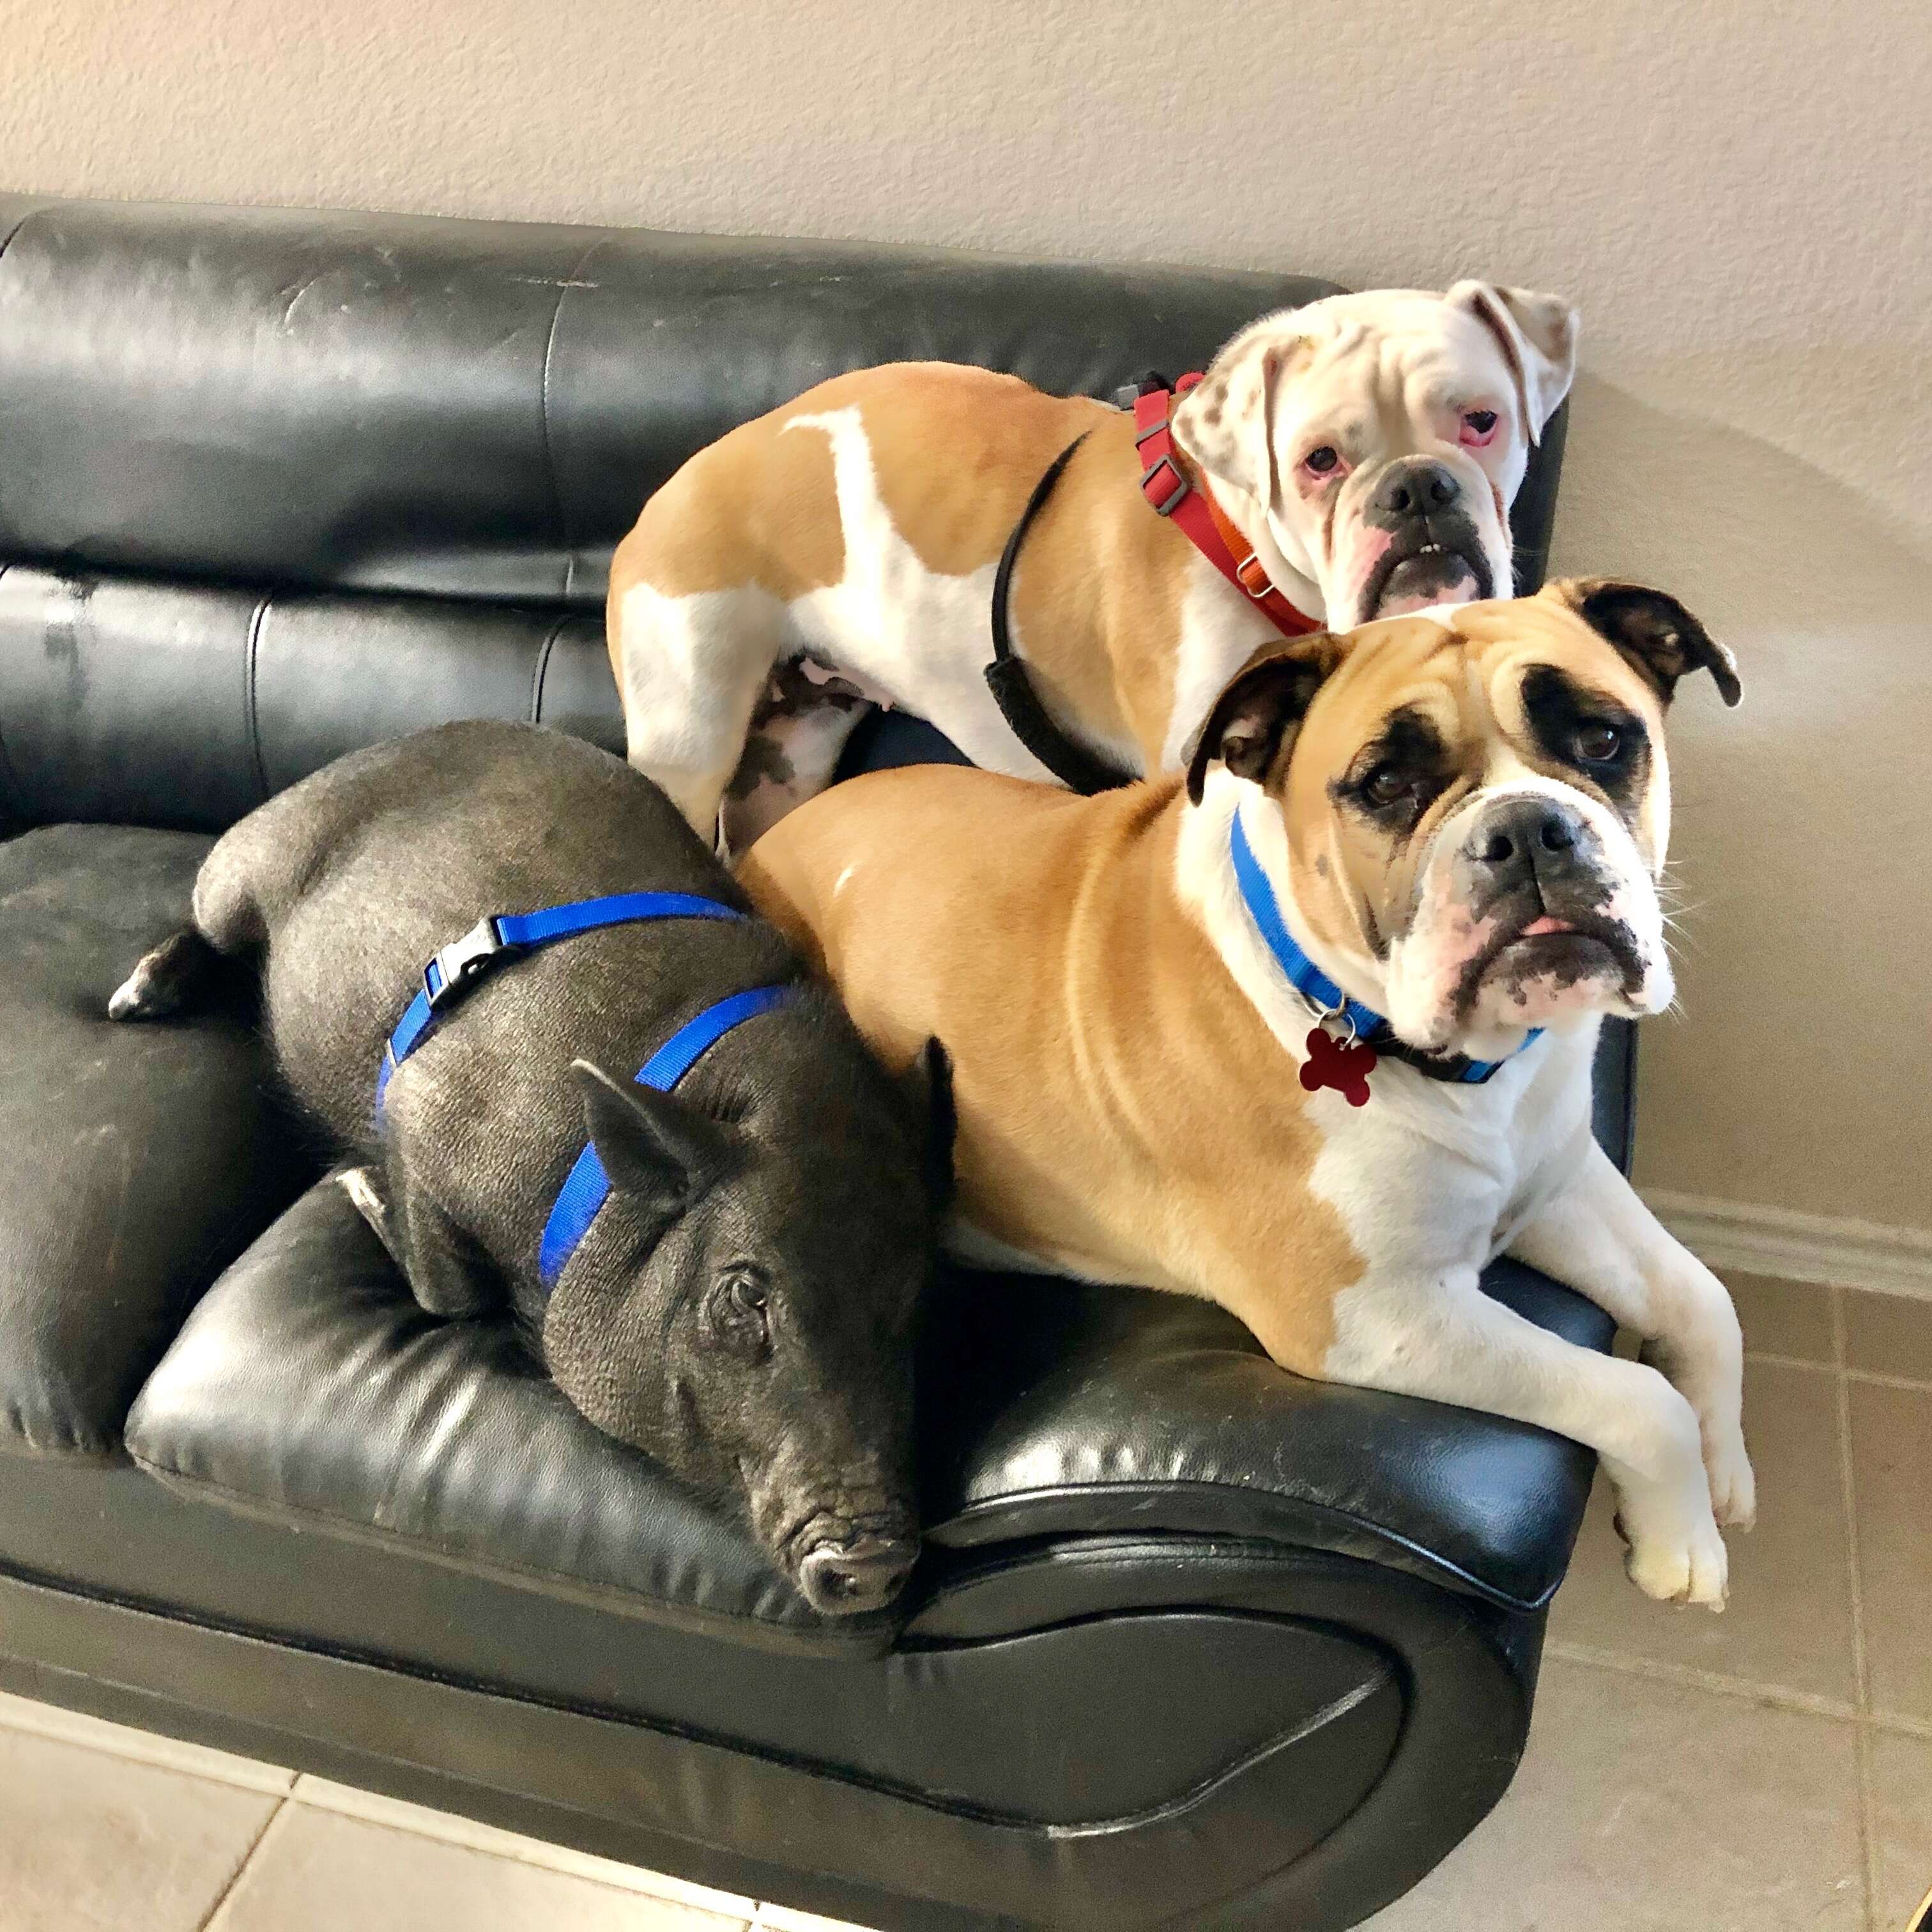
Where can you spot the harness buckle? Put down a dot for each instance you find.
(1252, 575)
(1163, 506)
(458, 966)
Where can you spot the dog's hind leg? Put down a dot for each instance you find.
(797, 736)
(694, 669)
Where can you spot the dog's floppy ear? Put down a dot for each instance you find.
(1226, 421)
(1661, 639)
(1537, 334)
(1256, 718)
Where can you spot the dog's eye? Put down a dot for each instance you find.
(1478, 426)
(1598, 743)
(1320, 462)
(1387, 784)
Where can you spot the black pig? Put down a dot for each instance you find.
(740, 1306)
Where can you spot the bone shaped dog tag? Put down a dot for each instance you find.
(1343, 1064)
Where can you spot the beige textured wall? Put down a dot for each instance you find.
(1739, 195)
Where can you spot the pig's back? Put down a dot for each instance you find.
(368, 868)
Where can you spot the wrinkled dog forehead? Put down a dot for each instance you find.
(1409, 348)
(1460, 674)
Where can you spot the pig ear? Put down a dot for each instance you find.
(1537, 335)
(1260, 711)
(1656, 634)
(653, 1145)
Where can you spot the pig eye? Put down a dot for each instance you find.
(740, 1314)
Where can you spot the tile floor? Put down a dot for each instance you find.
(1765, 1771)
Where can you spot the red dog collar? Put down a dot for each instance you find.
(1164, 484)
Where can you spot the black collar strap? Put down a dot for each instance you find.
(1072, 763)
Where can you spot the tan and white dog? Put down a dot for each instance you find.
(1459, 817)
(1367, 448)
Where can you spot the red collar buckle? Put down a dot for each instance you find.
(1164, 485)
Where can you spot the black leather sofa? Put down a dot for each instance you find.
(1193, 1644)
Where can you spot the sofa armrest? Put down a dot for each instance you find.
(1071, 1411)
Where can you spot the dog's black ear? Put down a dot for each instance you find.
(1255, 719)
(1661, 639)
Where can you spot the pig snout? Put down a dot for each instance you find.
(845, 1566)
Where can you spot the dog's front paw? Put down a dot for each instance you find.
(1691, 1569)
(1733, 1487)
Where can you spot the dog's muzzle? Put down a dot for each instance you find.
(1435, 554)
(1532, 865)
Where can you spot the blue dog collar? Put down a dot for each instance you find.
(456, 968)
(1315, 985)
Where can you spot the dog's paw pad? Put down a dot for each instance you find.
(1733, 1490)
(1694, 1570)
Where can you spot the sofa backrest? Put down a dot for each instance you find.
(276, 484)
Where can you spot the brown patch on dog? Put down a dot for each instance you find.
(956, 452)
(1109, 1113)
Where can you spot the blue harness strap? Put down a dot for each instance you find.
(587, 1186)
(458, 966)
(1315, 985)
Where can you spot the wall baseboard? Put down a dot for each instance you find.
(1798, 1247)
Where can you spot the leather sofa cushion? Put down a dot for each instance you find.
(140, 1160)
(309, 1388)
(185, 706)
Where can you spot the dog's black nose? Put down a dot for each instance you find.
(1525, 836)
(1415, 486)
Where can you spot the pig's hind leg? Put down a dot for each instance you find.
(166, 980)
(178, 974)
(441, 1264)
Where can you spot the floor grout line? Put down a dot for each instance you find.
(154, 1749)
(454, 1828)
(1690, 1676)
(221, 1903)
(1789, 1362)
(1861, 1659)
(1878, 1380)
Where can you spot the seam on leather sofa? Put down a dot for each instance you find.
(257, 620)
(565, 542)
(540, 670)
(1473, 1584)
(869, 1637)
(26, 215)
(1179, 1802)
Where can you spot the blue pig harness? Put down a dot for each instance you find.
(456, 969)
